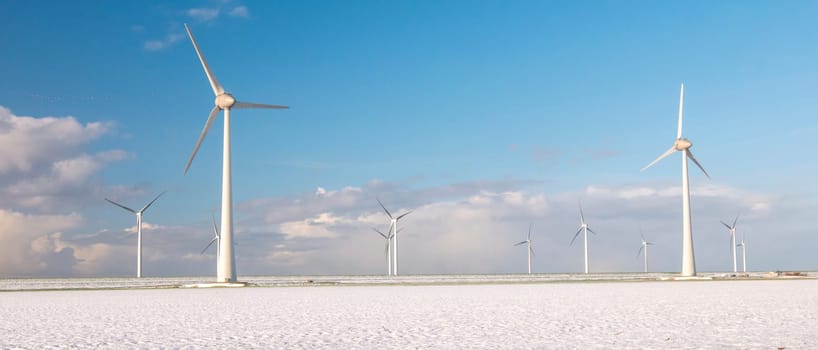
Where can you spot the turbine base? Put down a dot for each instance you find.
(216, 285)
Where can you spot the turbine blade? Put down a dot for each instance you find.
(149, 204)
(681, 107)
(735, 221)
(521, 243)
(404, 214)
(217, 88)
(581, 215)
(529, 232)
(202, 136)
(208, 245)
(591, 231)
(667, 153)
(532, 251)
(242, 105)
(575, 236)
(380, 233)
(391, 229)
(640, 251)
(690, 155)
(121, 206)
(215, 229)
(384, 208)
(726, 225)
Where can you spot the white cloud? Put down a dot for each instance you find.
(146, 226)
(319, 226)
(239, 11)
(31, 244)
(199, 14)
(203, 14)
(170, 39)
(43, 164)
(26, 142)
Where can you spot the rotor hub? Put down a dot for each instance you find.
(225, 100)
(682, 144)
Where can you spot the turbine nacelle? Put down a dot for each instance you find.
(225, 100)
(682, 144)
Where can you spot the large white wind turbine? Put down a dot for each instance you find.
(683, 145)
(743, 246)
(393, 226)
(732, 240)
(224, 101)
(388, 237)
(530, 250)
(644, 248)
(584, 229)
(138, 214)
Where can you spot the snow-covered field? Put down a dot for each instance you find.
(763, 314)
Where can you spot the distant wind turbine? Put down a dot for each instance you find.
(732, 240)
(743, 253)
(224, 101)
(393, 226)
(584, 229)
(388, 237)
(530, 250)
(683, 145)
(138, 214)
(644, 248)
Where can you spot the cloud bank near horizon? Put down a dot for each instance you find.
(51, 183)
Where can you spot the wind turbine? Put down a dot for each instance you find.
(732, 240)
(683, 145)
(226, 271)
(644, 247)
(138, 214)
(583, 228)
(388, 238)
(530, 250)
(743, 253)
(393, 226)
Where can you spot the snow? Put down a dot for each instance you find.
(275, 281)
(612, 314)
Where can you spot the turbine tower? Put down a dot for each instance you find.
(530, 250)
(683, 145)
(215, 239)
(743, 253)
(388, 238)
(138, 214)
(644, 248)
(393, 227)
(584, 229)
(732, 240)
(224, 101)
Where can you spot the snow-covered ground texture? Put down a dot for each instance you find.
(730, 314)
(280, 281)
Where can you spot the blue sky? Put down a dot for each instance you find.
(481, 116)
